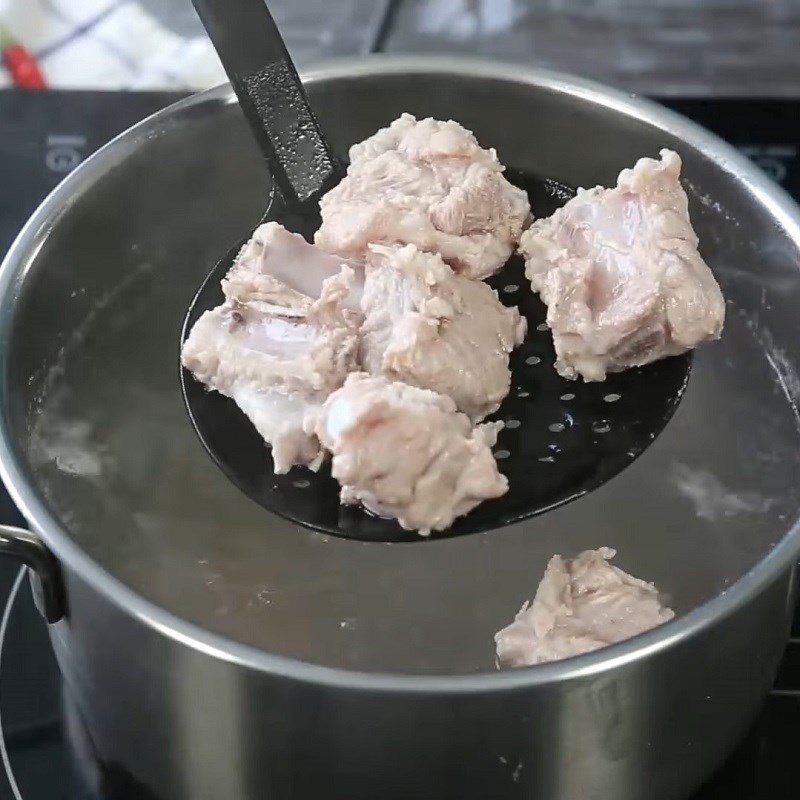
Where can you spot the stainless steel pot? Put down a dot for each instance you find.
(217, 651)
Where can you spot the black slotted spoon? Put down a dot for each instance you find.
(562, 438)
(301, 162)
(276, 106)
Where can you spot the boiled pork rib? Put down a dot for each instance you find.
(620, 273)
(427, 183)
(582, 604)
(431, 328)
(283, 340)
(407, 453)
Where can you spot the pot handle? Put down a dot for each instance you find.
(48, 586)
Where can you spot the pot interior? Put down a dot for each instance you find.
(94, 405)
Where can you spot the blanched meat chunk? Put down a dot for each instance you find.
(281, 268)
(621, 275)
(433, 329)
(278, 353)
(407, 453)
(427, 183)
(582, 604)
(278, 417)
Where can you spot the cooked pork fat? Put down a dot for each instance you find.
(407, 453)
(279, 350)
(621, 275)
(582, 604)
(427, 183)
(431, 328)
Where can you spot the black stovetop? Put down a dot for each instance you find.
(43, 137)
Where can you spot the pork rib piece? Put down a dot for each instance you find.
(276, 263)
(621, 275)
(407, 453)
(582, 604)
(275, 350)
(428, 327)
(427, 183)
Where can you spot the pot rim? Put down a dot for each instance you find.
(26, 245)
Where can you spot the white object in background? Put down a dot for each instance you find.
(108, 44)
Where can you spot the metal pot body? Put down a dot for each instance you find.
(188, 697)
(185, 724)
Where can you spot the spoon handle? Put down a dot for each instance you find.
(272, 97)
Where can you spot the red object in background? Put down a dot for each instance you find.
(20, 63)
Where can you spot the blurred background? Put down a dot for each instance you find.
(658, 47)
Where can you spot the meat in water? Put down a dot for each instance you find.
(582, 604)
